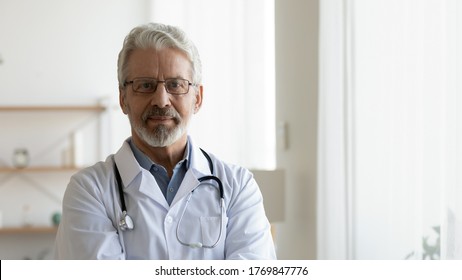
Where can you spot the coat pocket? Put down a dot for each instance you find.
(212, 230)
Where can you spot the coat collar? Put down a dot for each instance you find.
(129, 169)
(127, 164)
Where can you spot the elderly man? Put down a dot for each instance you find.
(160, 196)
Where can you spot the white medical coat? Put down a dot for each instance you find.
(91, 212)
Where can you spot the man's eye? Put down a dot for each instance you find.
(146, 85)
(174, 84)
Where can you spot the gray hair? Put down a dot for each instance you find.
(158, 36)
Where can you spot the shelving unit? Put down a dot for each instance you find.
(58, 140)
(45, 129)
(47, 108)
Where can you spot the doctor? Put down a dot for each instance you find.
(160, 196)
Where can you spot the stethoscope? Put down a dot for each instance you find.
(126, 222)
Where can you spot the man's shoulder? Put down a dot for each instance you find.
(229, 169)
(96, 172)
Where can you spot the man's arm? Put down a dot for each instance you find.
(249, 231)
(86, 231)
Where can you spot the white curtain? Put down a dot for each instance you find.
(235, 39)
(390, 129)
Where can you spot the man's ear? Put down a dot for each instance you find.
(199, 96)
(122, 101)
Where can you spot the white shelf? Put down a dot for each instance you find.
(95, 108)
(38, 169)
(27, 230)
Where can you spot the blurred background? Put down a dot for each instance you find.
(348, 111)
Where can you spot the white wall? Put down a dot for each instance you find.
(62, 51)
(296, 105)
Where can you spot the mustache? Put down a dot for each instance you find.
(161, 112)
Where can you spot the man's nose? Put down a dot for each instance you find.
(161, 98)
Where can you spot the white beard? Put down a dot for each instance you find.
(161, 136)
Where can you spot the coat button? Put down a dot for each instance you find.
(169, 219)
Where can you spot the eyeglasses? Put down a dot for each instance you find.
(175, 86)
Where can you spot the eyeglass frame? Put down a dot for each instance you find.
(157, 83)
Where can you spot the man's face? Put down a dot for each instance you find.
(159, 119)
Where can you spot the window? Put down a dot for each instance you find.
(390, 127)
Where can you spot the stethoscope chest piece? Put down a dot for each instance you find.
(126, 223)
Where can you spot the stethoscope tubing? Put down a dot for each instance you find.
(126, 222)
(199, 244)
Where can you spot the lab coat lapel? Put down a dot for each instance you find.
(130, 170)
(150, 188)
(188, 184)
(198, 167)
